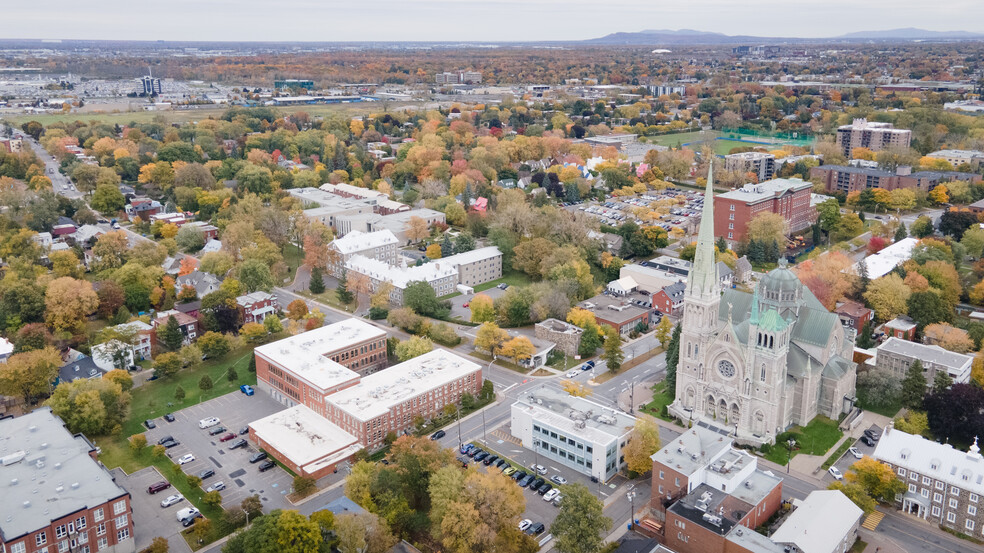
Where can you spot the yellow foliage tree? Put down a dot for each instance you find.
(940, 194)
(519, 349)
(575, 389)
(643, 442)
(433, 251)
(581, 317)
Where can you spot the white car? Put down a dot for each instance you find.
(208, 423)
(524, 524)
(185, 459)
(558, 480)
(187, 513)
(172, 499)
(572, 374)
(549, 496)
(854, 451)
(540, 469)
(836, 473)
(216, 487)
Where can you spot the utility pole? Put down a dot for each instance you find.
(458, 408)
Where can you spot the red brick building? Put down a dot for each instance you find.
(669, 300)
(188, 325)
(790, 198)
(853, 315)
(65, 500)
(257, 306)
(901, 327)
(619, 313)
(847, 179)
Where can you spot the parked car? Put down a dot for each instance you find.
(241, 442)
(854, 451)
(465, 448)
(871, 434)
(216, 431)
(572, 373)
(208, 422)
(171, 500)
(168, 417)
(207, 473)
(546, 487)
(490, 459)
(481, 455)
(187, 512)
(150, 424)
(558, 480)
(216, 487)
(473, 452)
(867, 441)
(535, 529)
(158, 487)
(246, 389)
(836, 473)
(258, 456)
(188, 521)
(525, 481)
(465, 305)
(502, 286)
(185, 459)
(267, 465)
(500, 463)
(524, 524)
(171, 443)
(244, 430)
(165, 439)
(509, 471)
(540, 469)
(227, 437)
(536, 483)
(586, 367)
(519, 475)
(438, 435)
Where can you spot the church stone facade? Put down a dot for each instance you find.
(752, 365)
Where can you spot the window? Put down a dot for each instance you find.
(119, 507)
(925, 480)
(40, 539)
(912, 488)
(62, 546)
(954, 490)
(940, 485)
(971, 510)
(731, 235)
(102, 544)
(122, 534)
(953, 503)
(936, 511)
(18, 547)
(60, 531)
(973, 498)
(969, 524)
(951, 517)
(913, 476)
(101, 529)
(80, 523)
(121, 521)
(924, 492)
(901, 472)
(97, 515)
(677, 482)
(937, 498)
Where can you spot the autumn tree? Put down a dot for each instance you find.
(297, 309)
(664, 331)
(857, 494)
(67, 302)
(363, 533)
(433, 251)
(417, 229)
(489, 337)
(644, 441)
(581, 521)
(877, 479)
(575, 388)
(29, 375)
(92, 406)
(768, 228)
(612, 355)
(414, 347)
(519, 349)
(825, 277)
(888, 296)
(482, 309)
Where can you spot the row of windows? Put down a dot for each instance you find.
(562, 439)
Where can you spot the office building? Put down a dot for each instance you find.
(57, 495)
(150, 85)
(620, 313)
(573, 431)
(304, 441)
(871, 135)
(293, 83)
(458, 77)
(789, 198)
(896, 355)
(658, 90)
(761, 164)
(944, 484)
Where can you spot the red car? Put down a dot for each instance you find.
(227, 437)
(464, 305)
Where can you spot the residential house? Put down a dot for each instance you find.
(189, 326)
(669, 300)
(901, 327)
(203, 283)
(79, 366)
(617, 313)
(853, 315)
(257, 306)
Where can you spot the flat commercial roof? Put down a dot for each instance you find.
(692, 450)
(819, 523)
(53, 477)
(305, 355)
(765, 190)
(400, 276)
(473, 256)
(883, 262)
(379, 392)
(559, 409)
(303, 436)
(357, 241)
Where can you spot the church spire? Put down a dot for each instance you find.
(754, 319)
(703, 278)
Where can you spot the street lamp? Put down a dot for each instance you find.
(536, 453)
(789, 455)
(631, 497)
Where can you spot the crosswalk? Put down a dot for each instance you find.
(872, 521)
(503, 435)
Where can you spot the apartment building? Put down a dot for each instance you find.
(871, 135)
(846, 179)
(761, 164)
(476, 266)
(381, 202)
(58, 496)
(187, 324)
(573, 431)
(896, 355)
(305, 368)
(440, 275)
(789, 198)
(381, 245)
(945, 485)
(458, 77)
(397, 223)
(957, 158)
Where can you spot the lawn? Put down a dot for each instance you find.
(156, 397)
(500, 362)
(328, 296)
(889, 410)
(661, 399)
(510, 277)
(815, 438)
(678, 139)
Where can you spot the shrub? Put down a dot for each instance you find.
(378, 313)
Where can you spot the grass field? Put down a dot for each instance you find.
(661, 398)
(815, 438)
(674, 140)
(182, 116)
(511, 277)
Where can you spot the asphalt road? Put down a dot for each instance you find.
(61, 184)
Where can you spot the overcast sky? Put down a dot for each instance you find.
(467, 20)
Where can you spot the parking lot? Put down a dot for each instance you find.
(147, 512)
(241, 478)
(846, 460)
(458, 309)
(684, 208)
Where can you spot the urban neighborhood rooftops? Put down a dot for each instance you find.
(47, 473)
(377, 393)
(692, 450)
(884, 261)
(819, 523)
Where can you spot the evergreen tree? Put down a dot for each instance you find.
(773, 253)
(941, 382)
(721, 244)
(317, 284)
(863, 280)
(914, 386)
(901, 232)
(170, 334)
(571, 193)
(861, 213)
(817, 233)
(466, 196)
(342, 290)
(447, 247)
(863, 339)
(341, 159)
(179, 393)
(672, 359)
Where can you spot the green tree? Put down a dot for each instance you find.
(422, 298)
(107, 199)
(672, 359)
(927, 308)
(255, 275)
(167, 364)
(414, 347)
(914, 386)
(901, 232)
(214, 344)
(864, 340)
(580, 522)
(941, 382)
(590, 341)
(179, 393)
(170, 334)
(317, 284)
(304, 486)
(922, 227)
(341, 291)
(273, 325)
(212, 498)
(92, 406)
(612, 354)
(232, 375)
(205, 384)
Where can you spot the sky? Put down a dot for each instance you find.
(467, 20)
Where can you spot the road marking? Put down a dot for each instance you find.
(873, 520)
(507, 388)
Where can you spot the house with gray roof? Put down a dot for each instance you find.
(203, 283)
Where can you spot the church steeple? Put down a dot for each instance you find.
(703, 279)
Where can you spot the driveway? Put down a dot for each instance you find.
(458, 311)
(150, 519)
(847, 460)
(241, 478)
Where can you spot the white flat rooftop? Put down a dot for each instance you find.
(302, 435)
(883, 262)
(357, 241)
(466, 258)
(305, 354)
(377, 393)
(400, 276)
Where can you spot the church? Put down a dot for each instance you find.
(754, 364)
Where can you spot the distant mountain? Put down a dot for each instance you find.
(689, 36)
(911, 33)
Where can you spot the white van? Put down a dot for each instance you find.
(187, 512)
(208, 422)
